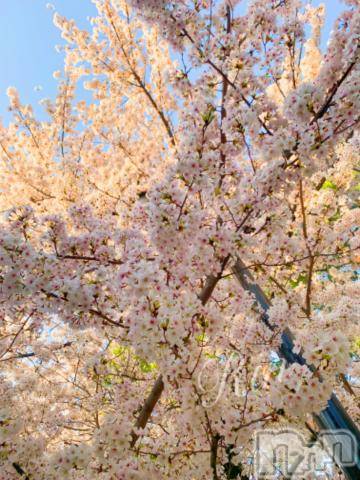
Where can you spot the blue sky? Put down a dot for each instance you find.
(28, 39)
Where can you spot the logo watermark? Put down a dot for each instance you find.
(287, 454)
(219, 374)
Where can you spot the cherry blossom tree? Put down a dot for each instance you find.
(128, 348)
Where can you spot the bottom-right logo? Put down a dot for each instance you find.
(286, 453)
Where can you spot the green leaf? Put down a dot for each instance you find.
(118, 350)
(167, 197)
(336, 216)
(201, 338)
(302, 278)
(122, 353)
(107, 381)
(147, 367)
(328, 184)
(355, 347)
(212, 356)
(208, 116)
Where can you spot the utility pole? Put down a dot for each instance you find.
(334, 417)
